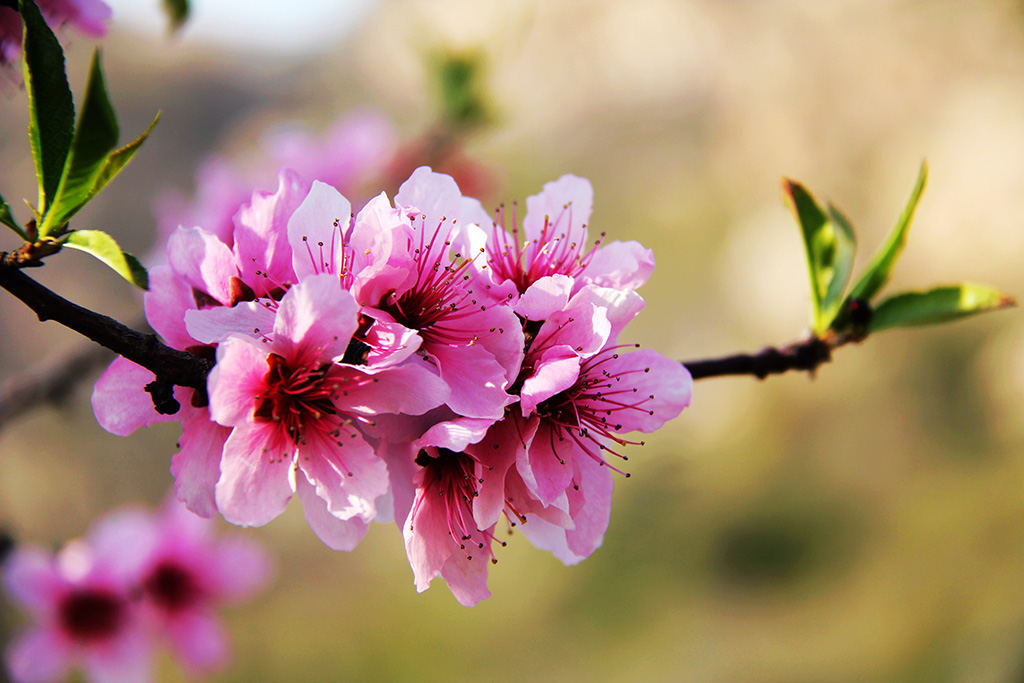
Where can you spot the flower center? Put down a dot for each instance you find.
(172, 587)
(294, 398)
(552, 253)
(586, 412)
(90, 614)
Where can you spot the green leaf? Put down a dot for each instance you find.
(95, 136)
(459, 77)
(842, 263)
(119, 159)
(177, 12)
(829, 244)
(7, 218)
(938, 305)
(51, 109)
(105, 248)
(878, 271)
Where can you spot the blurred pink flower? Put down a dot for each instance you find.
(138, 579)
(84, 616)
(87, 16)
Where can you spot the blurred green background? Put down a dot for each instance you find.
(864, 526)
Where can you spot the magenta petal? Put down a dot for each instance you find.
(203, 262)
(456, 435)
(38, 656)
(663, 385)
(401, 462)
(427, 541)
(122, 543)
(565, 206)
(236, 380)
(555, 371)
(119, 399)
(390, 343)
(495, 455)
(350, 477)
(466, 579)
(337, 534)
(315, 231)
(620, 306)
(315, 321)
(620, 265)
(581, 326)
(256, 480)
(501, 333)
(199, 639)
(196, 467)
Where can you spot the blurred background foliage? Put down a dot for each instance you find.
(864, 526)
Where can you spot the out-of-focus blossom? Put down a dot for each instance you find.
(86, 16)
(139, 579)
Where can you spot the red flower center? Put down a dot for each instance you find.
(92, 614)
(171, 586)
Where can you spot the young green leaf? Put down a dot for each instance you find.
(842, 263)
(95, 136)
(177, 12)
(7, 218)
(51, 109)
(878, 271)
(105, 248)
(118, 160)
(938, 305)
(829, 244)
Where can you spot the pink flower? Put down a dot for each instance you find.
(294, 414)
(554, 241)
(182, 574)
(84, 616)
(459, 498)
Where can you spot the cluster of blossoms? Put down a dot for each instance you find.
(87, 16)
(137, 579)
(419, 360)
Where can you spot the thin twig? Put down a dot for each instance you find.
(805, 355)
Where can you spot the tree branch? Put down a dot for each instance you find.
(170, 365)
(804, 355)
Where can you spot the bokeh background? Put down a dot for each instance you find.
(866, 525)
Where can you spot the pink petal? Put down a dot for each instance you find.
(214, 325)
(546, 465)
(620, 306)
(166, 301)
(467, 579)
(592, 517)
(556, 370)
(545, 297)
(119, 399)
(475, 378)
(129, 659)
(240, 567)
(256, 480)
(236, 380)
(202, 261)
(501, 333)
(620, 265)
(390, 343)
(409, 389)
(566, 205)
(428, 544)
(32, 580)
(261, 234)
(122, 543)
(39, 656)
(455, 435)
(375, 267)
(401, 462)
(315, 231)
(665, 380)
(315, 321)
(199, 639)
(581, 325)
(337, 534)
(196, 466)
(348, 475)
(495, 455)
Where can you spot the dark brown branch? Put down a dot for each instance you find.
(169, 365)
(805, 355)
